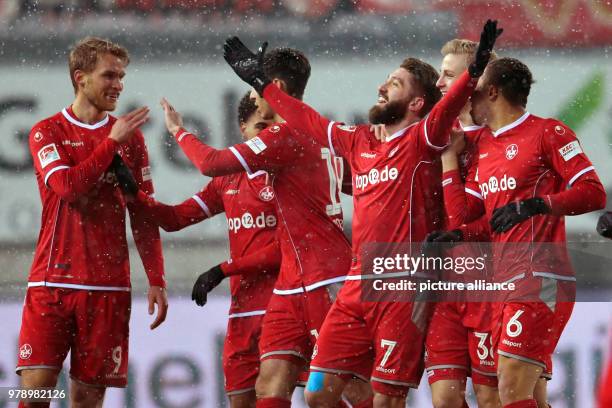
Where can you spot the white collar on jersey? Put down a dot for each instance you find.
(74, 121)
(400, 132)
(512, 125)
(469, 128)
(257, 174)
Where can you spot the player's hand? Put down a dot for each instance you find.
(431, 247)
(124, 127)
(489, 34)
(509, 215)
(126, 180)
(604, 225)
(205, 283)
(247, 65)
(380, 132)
(174, 120)
(457, 144)
(157, 296)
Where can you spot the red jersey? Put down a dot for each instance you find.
(397, 194)
(82, 242)
(531, 157)
(306, 179)
(248, 203)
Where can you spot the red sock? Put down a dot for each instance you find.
(528, 403)
(273, 402)
(367, 403)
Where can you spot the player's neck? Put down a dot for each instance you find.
(85, 112)
(503, 115)
(407, 121)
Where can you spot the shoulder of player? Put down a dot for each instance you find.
(555, 127)
(47, 128)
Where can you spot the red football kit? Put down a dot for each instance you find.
(533, 157)
(395, 201)
(79, 280)
(306, 179)
(247, 201)
(458, 339)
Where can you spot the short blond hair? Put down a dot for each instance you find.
(85, 53)
(461, 46)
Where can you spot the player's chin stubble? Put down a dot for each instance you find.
(388, 114)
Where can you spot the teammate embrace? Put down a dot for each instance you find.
(411, 183)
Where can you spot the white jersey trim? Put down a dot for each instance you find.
(202, 205)
(84, 125)
(580, 173)
(77, 286)
(257, 174)
(329, 137)
(310, 287)
(53, 170)
(427, 137)
(474, 193)
(241, 159)
(400, 132)
(247, 314)
(555, 276)
(511, 125)
(469, 128)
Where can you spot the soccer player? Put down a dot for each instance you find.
(395, 201)
(78, 296)
(247, 200)
(458, 339)
(306, 178)
(523, 169)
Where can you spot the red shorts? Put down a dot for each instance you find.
(530, 331)
(381, 342)
(459, 344)
(92, 325)
(241, 354)
(291, 324)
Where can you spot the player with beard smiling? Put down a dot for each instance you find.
(396, 200)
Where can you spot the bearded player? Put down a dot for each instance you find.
(78, 296)
(395, 201)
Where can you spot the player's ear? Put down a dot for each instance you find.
(493, 92)
(416, 104)
(79, 78)
(242, 127)
(280, 83)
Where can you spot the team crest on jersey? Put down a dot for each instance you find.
(511, 151)
(347, 128)
(275, 129)
(48, 154)
(266, 193)
(38, 137)
(25, 351)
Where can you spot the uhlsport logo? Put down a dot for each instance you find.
(375, 176)
(266, 193)
(511, 151)
(25, 351)
(493, 185)
(247, 221)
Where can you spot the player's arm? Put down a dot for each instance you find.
(563, 154)
(73, 181)
(301, 117)
(208, 160)
(266, 259)
(437, 124)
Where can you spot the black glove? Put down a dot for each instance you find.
(604, 225)
(431, 248)
(247, 65)
(126, 180)
(511, 214)
(205, 283)
(489, 34)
